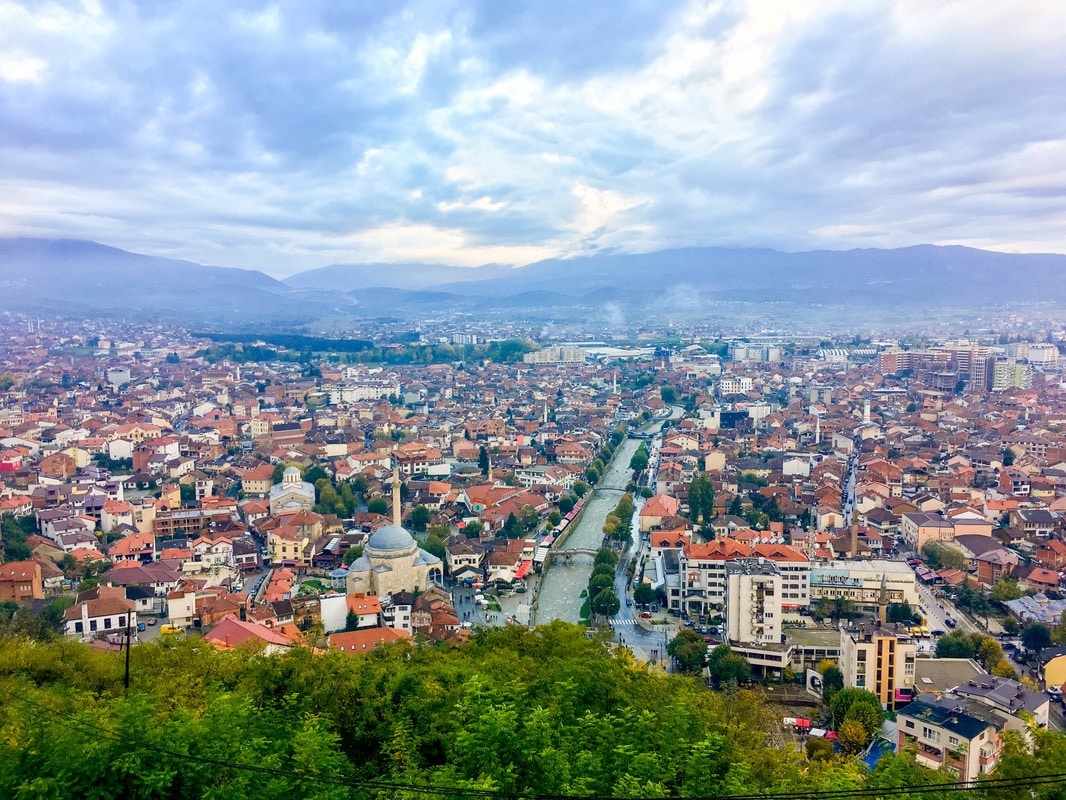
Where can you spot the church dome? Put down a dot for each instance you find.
(390, 538)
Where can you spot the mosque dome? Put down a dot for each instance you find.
(389, 539)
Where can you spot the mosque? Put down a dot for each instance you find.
(392, 561)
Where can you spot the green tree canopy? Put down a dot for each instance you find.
(688, 650)
(605, 603)
(1036, 636)
(643, 593)
(419, 518)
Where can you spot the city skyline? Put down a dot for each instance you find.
(284, 138)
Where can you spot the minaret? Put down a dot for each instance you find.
(396, 495)
(488, 476)
(545, 412)
(882, 600)
(818, 429)
(866, 413)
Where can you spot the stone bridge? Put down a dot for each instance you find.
(568, 553)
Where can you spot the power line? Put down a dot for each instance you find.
(353, 782)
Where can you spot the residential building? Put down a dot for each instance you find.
(949, 731)
(880, 659)
(753, 601)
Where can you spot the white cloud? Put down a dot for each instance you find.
(290, 135)
(16, 67)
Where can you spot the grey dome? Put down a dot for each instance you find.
(391, 537)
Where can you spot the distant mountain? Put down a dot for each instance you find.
(695, 283)
(348, 277)
(69, 276)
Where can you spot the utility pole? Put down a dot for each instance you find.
(129, 637)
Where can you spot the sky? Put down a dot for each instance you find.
(290, 136)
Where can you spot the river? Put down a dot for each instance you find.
(561, 585)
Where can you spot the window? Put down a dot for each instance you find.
(953, 740)
(77, 627)
(931, 734)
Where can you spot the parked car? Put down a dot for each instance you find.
(141, 626)
(937, 632)
(645, 615)
(950, 622)
(151, 620)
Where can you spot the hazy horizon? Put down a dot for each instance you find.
(287, 138)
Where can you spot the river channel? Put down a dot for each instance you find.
(562, 583)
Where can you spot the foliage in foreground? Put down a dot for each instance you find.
(520, 712)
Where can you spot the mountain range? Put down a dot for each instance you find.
(85, 278)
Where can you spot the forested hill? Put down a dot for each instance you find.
(514, 713)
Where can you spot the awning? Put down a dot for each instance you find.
(831, 735)
(523, 569)
(802, 723)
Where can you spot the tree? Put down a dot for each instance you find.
(580, 488)
(605, 603)
(736, 506)
(832, 682)
(1036, 636)
(727, 667)
(818, 749)
(643, 593)
(473, 529)
(606, 556)
(701, 499)
(379, 505)
(668, 394)
(419, 518)
(529, 517)
(1058, 633)
(554, 517)
(939, 556)
(846, 704)
(566, 503)
(599, 582)
(512, 529)
(639, 461)
(435, 545)
(483, 459)
(1006, 588)
(688, 650)
(351, 621)
(351, 554)
(957, 644)
(852, 737)
(315, 474)
(900, 612)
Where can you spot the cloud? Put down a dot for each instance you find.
(285, 136)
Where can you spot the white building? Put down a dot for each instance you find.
(753, 602)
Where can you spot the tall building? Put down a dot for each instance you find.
(879, 659)
(753, 601)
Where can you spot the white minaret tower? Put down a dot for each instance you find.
(545, 412)
(866, 413)
(396, 495)
(818, 429)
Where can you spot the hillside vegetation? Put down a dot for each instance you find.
(514, 713)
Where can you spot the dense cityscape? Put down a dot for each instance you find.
(876, 516)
